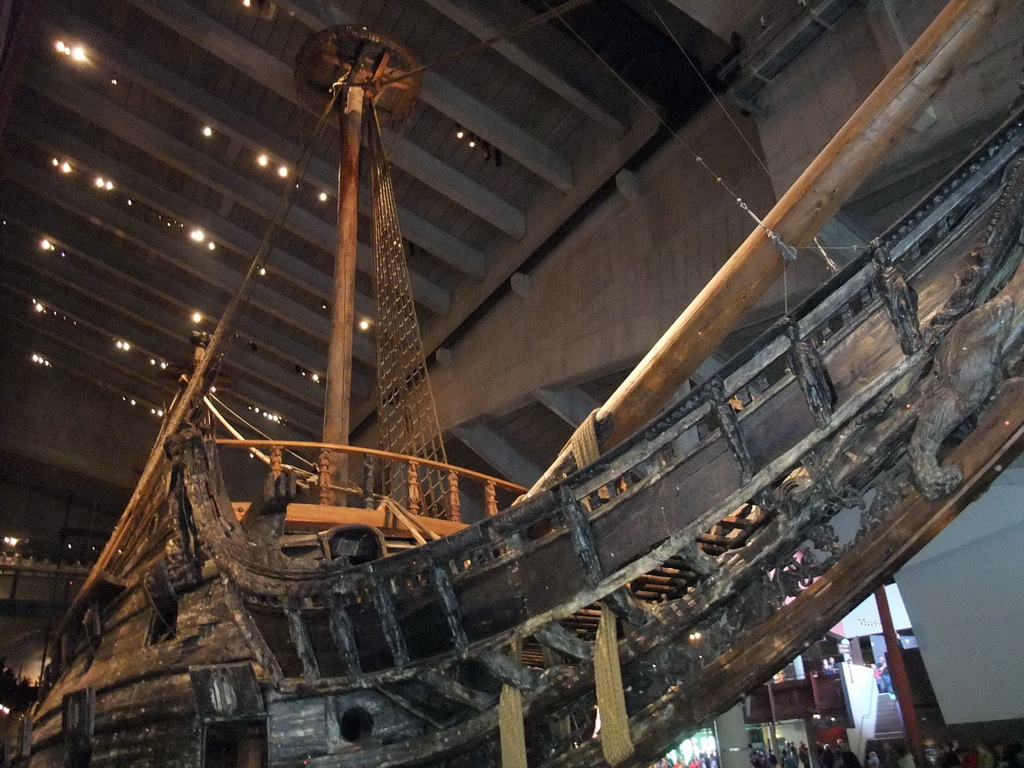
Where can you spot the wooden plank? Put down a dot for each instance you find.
(326, 516)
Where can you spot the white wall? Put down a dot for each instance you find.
(965, 596)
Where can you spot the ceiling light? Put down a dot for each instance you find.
(247, 3)
(109, 185)
(364, 325)
(61, 48)
(472, 143)
(46, 245)
(323, 197)
(152, 361)
(207, 131)
(262, 160)
(460, 134)
(65, 167)
(263, 271)
(198, 235)
(78, 53)
(133, 401)
(282, 171)
(113, 81)
(163, 366)
(197, 317)
(315, 377)
(99, 182)
(38, 307)
(211, 245)
(56, 162)
(159, 412)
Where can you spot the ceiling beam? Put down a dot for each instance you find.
(269, 71)
(150, 332)
(83, 155)
(448, 99)
(176, 252)
(496, 451)
(192, 99)
(111, 117)
(571, 404)
(573, 86)
(93, 368)
(149, 282)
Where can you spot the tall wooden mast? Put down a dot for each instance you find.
(350, 64)
(337, 404)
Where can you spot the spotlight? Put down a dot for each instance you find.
(99, 182)
(198, 235)
(323, 197)
(46, 245)
(364, 325)
(262, 161)
(65, 167)
(282, 171)
(197, 317)
(207, 131)
(78, 53)
(211, 245)
(460, 134)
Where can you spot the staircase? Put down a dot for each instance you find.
(888, 725)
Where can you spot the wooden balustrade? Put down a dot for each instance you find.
(424, 487)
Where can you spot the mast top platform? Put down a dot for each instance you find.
(355, 56)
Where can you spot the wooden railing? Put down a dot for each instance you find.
(422, 486)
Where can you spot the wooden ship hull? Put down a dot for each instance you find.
(667, 577)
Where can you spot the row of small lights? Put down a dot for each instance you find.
(490, 153)
(11, 541)
(267, 415)
(197, 235)
(121, 344)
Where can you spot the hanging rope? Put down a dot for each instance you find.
(513, 732)
(583, 443)
(611, 701)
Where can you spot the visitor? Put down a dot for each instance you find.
(849, 760)
(827, 757)
(985, 757)
(789, 758)
(805, 755)
(873, 761)
(903, 757)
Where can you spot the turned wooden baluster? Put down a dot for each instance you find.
(276, 461)
(490, 499)
(368, 500)
(415, 492)
(454, 512)
(324, 465)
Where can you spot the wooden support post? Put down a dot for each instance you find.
(900, 681)
(339, 359)
(829, 181)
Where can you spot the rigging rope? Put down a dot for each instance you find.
(405, 400)
(710, 90)
(787, 251)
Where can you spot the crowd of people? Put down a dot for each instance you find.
(701, 760)
(950, 755)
